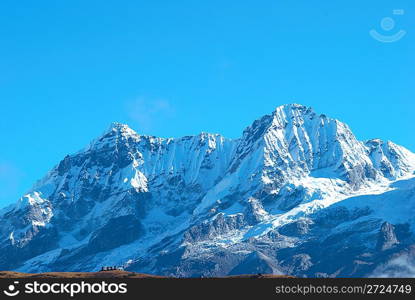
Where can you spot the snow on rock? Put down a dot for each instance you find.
(294, 183)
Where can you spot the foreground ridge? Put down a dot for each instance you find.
(115, 274)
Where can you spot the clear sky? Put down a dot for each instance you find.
(172, 68)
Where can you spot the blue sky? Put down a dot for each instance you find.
(172, 68)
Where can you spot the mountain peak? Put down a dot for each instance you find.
(114, 133)
(118, 130)
(283, 115)
(293, 111)
(119, 127)
(292, 106)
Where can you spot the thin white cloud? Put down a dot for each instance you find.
(223, 68)
(402, 266)
(10, 177)
(147, 113)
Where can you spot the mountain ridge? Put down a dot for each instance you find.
(207, 205)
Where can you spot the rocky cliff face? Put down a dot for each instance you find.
(296, 194)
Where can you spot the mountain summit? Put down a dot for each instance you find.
(296, 194)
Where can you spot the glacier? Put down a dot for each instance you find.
(296, 194)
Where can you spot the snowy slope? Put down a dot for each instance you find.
(295, 182)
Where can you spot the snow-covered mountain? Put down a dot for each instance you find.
(296, 194)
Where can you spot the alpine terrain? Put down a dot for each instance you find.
(297, 194)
